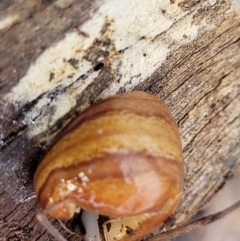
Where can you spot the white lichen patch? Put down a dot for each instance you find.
(235, 7)
(53, 68)
(135, 19)
(145, 56)
(145, 31)
(7, 21)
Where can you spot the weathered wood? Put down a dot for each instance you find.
(58, 57)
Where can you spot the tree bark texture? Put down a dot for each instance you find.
(59, 57)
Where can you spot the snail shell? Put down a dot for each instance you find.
(122, 158)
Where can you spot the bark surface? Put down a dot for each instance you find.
(59, 57)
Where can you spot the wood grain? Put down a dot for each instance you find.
(197, 76)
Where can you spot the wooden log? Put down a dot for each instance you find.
(59, 57)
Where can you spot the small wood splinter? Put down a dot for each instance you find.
(195, 224)
(49, 227)
(41, 217)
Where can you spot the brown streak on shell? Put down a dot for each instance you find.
(110, 172)
(137, 102)
(150, 135)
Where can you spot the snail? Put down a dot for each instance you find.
(121, 158)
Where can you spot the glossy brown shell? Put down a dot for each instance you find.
(120, 157)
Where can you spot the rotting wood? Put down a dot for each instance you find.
(195, 73)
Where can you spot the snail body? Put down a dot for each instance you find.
(122, 158)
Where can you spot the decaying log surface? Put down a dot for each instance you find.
(58, 57)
